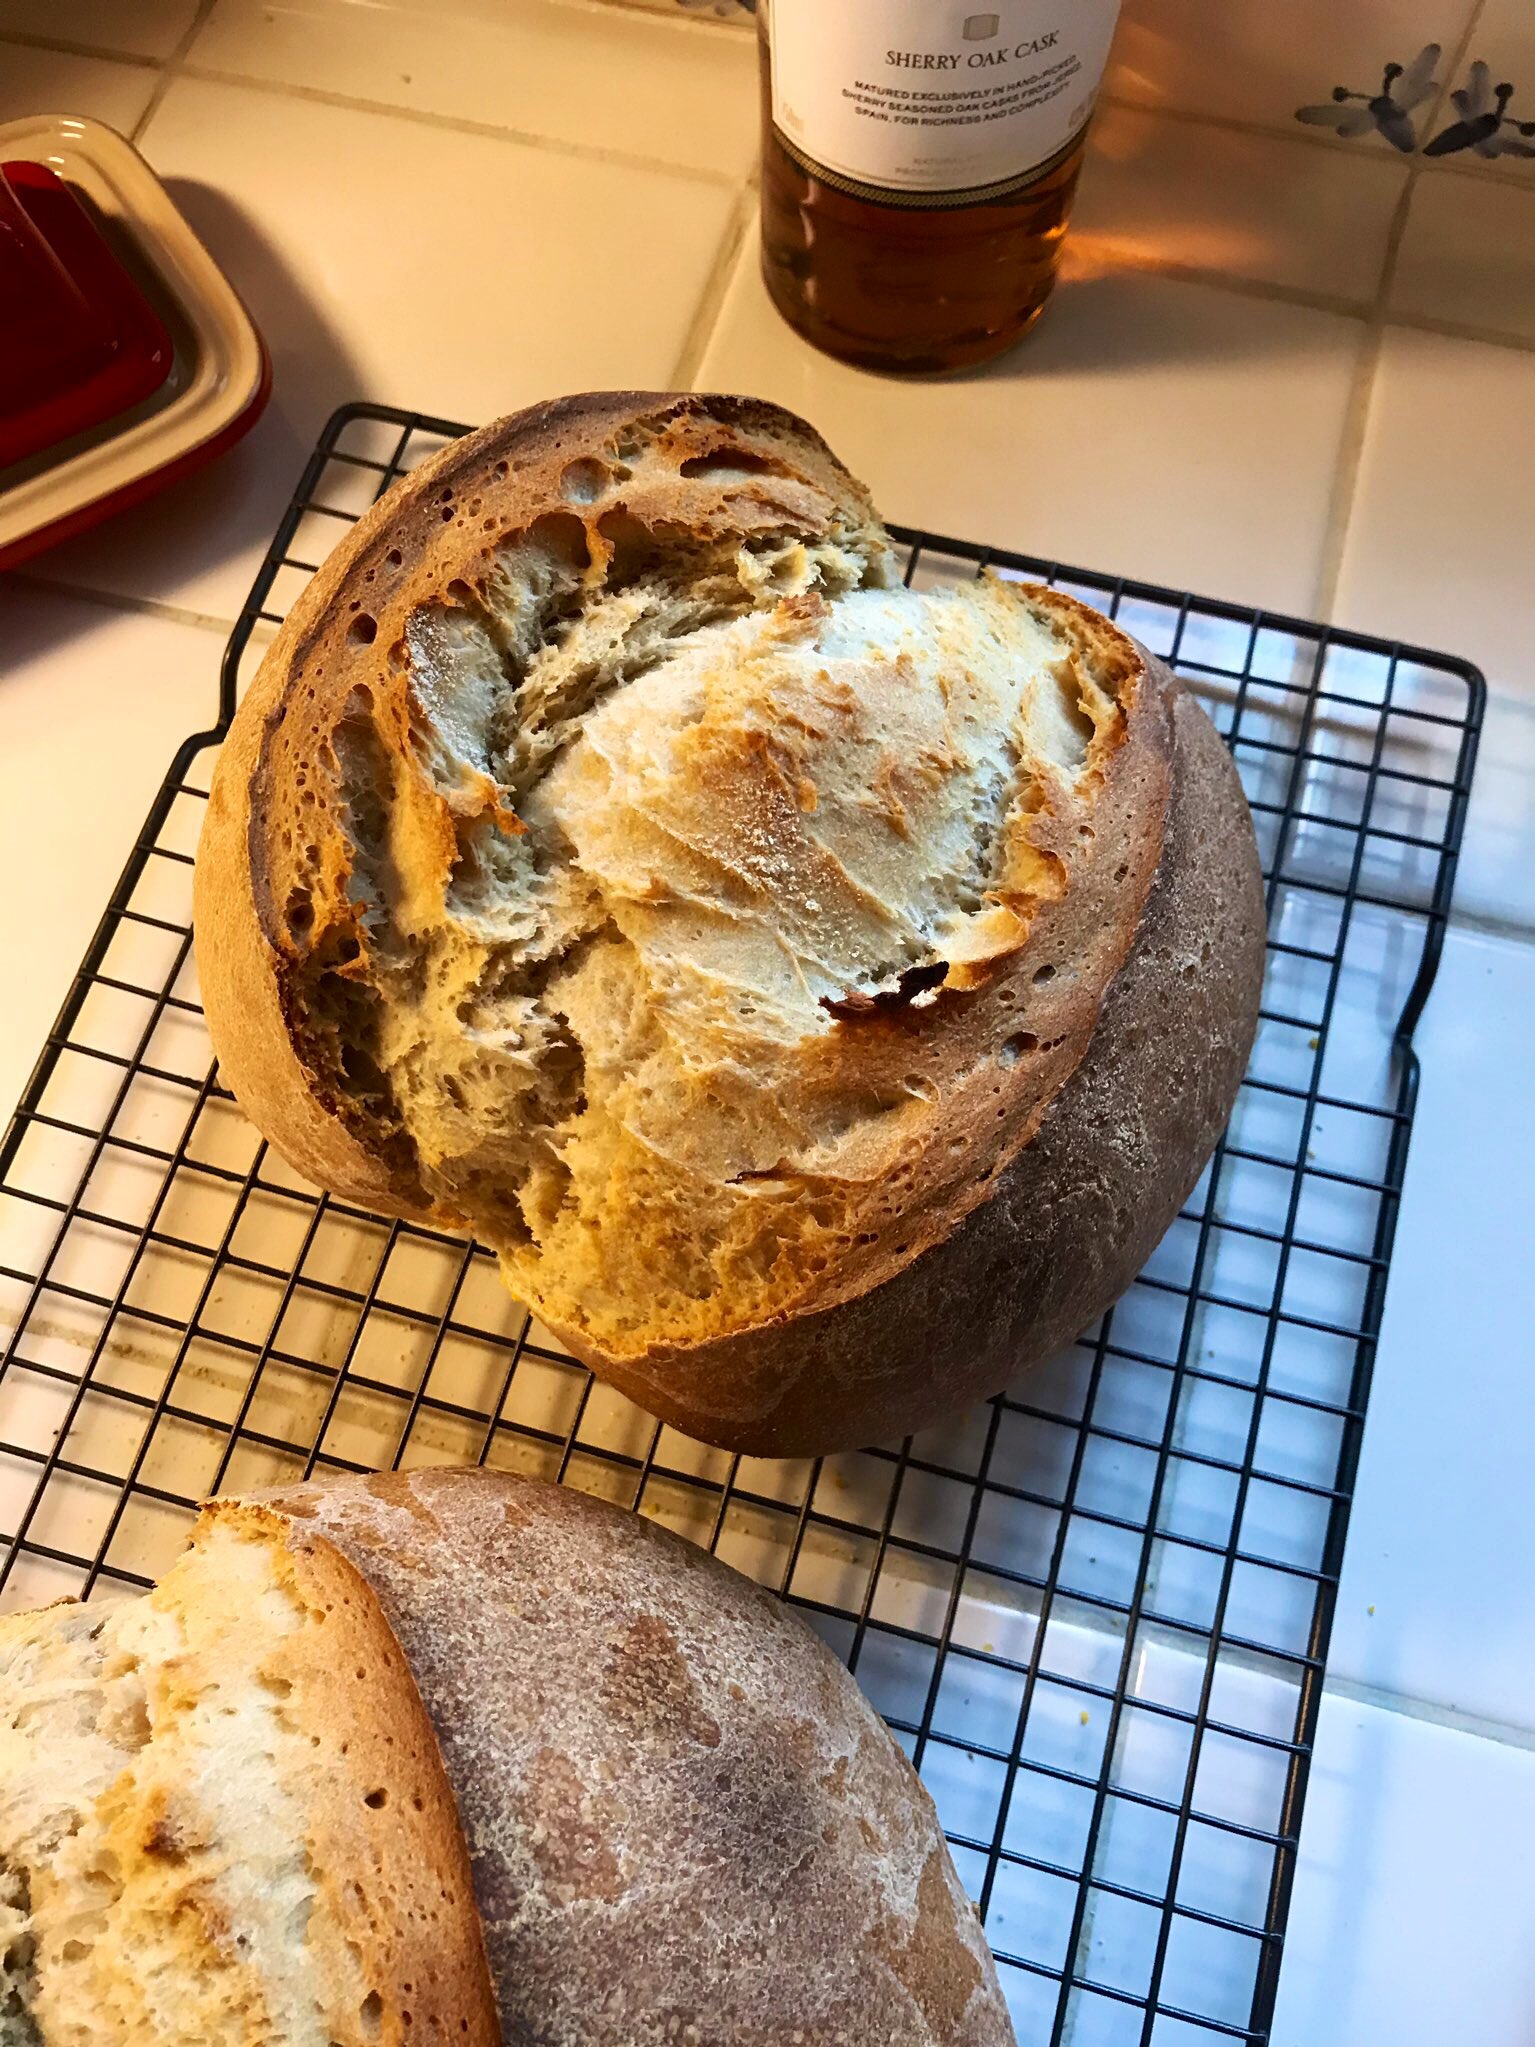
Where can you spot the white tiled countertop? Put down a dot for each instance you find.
(1285, 369)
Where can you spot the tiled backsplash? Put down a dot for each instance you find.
(1416, 76)
(1375, 158)
(1441, 78)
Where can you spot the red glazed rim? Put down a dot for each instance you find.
(80, 518)
(229, 372)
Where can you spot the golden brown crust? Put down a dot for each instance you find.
(394, 1896)
(685, 1823)
(240, 982)
(779, 1265)
(998, 1053)
(511, 473)
(1065, 1226)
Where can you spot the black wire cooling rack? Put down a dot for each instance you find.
(1095, 1610)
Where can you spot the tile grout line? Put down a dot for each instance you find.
(1315, 302)
(1458, 330)
(1503, 1733)
(1345, 489)
(1490, 924)
(458, 124)
(24, 40)
(1120, 261)
(1452, 70)
(711, 300)
(170, 70)
(1480, 172)
(664, 18)
(1356, 421)
(1310, 301)
(711, 24)
(176, 66)
(114, 600)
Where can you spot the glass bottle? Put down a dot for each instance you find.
(919, 159)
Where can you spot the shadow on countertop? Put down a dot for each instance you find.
(197, 545)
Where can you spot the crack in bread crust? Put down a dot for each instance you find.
(623, 864)
(224, 1818)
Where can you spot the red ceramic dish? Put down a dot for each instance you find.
(219, 375)
(79, 343)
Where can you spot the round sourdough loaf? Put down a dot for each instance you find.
(821, 993)
(454, 1759)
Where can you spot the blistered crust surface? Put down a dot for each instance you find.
(611, 858)
(1071, 1219)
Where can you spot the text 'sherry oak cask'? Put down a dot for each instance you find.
(919, 159)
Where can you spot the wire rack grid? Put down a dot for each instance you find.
(1096, 1609)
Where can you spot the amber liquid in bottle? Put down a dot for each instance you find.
(910, 288)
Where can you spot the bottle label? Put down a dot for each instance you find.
(934, 102)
